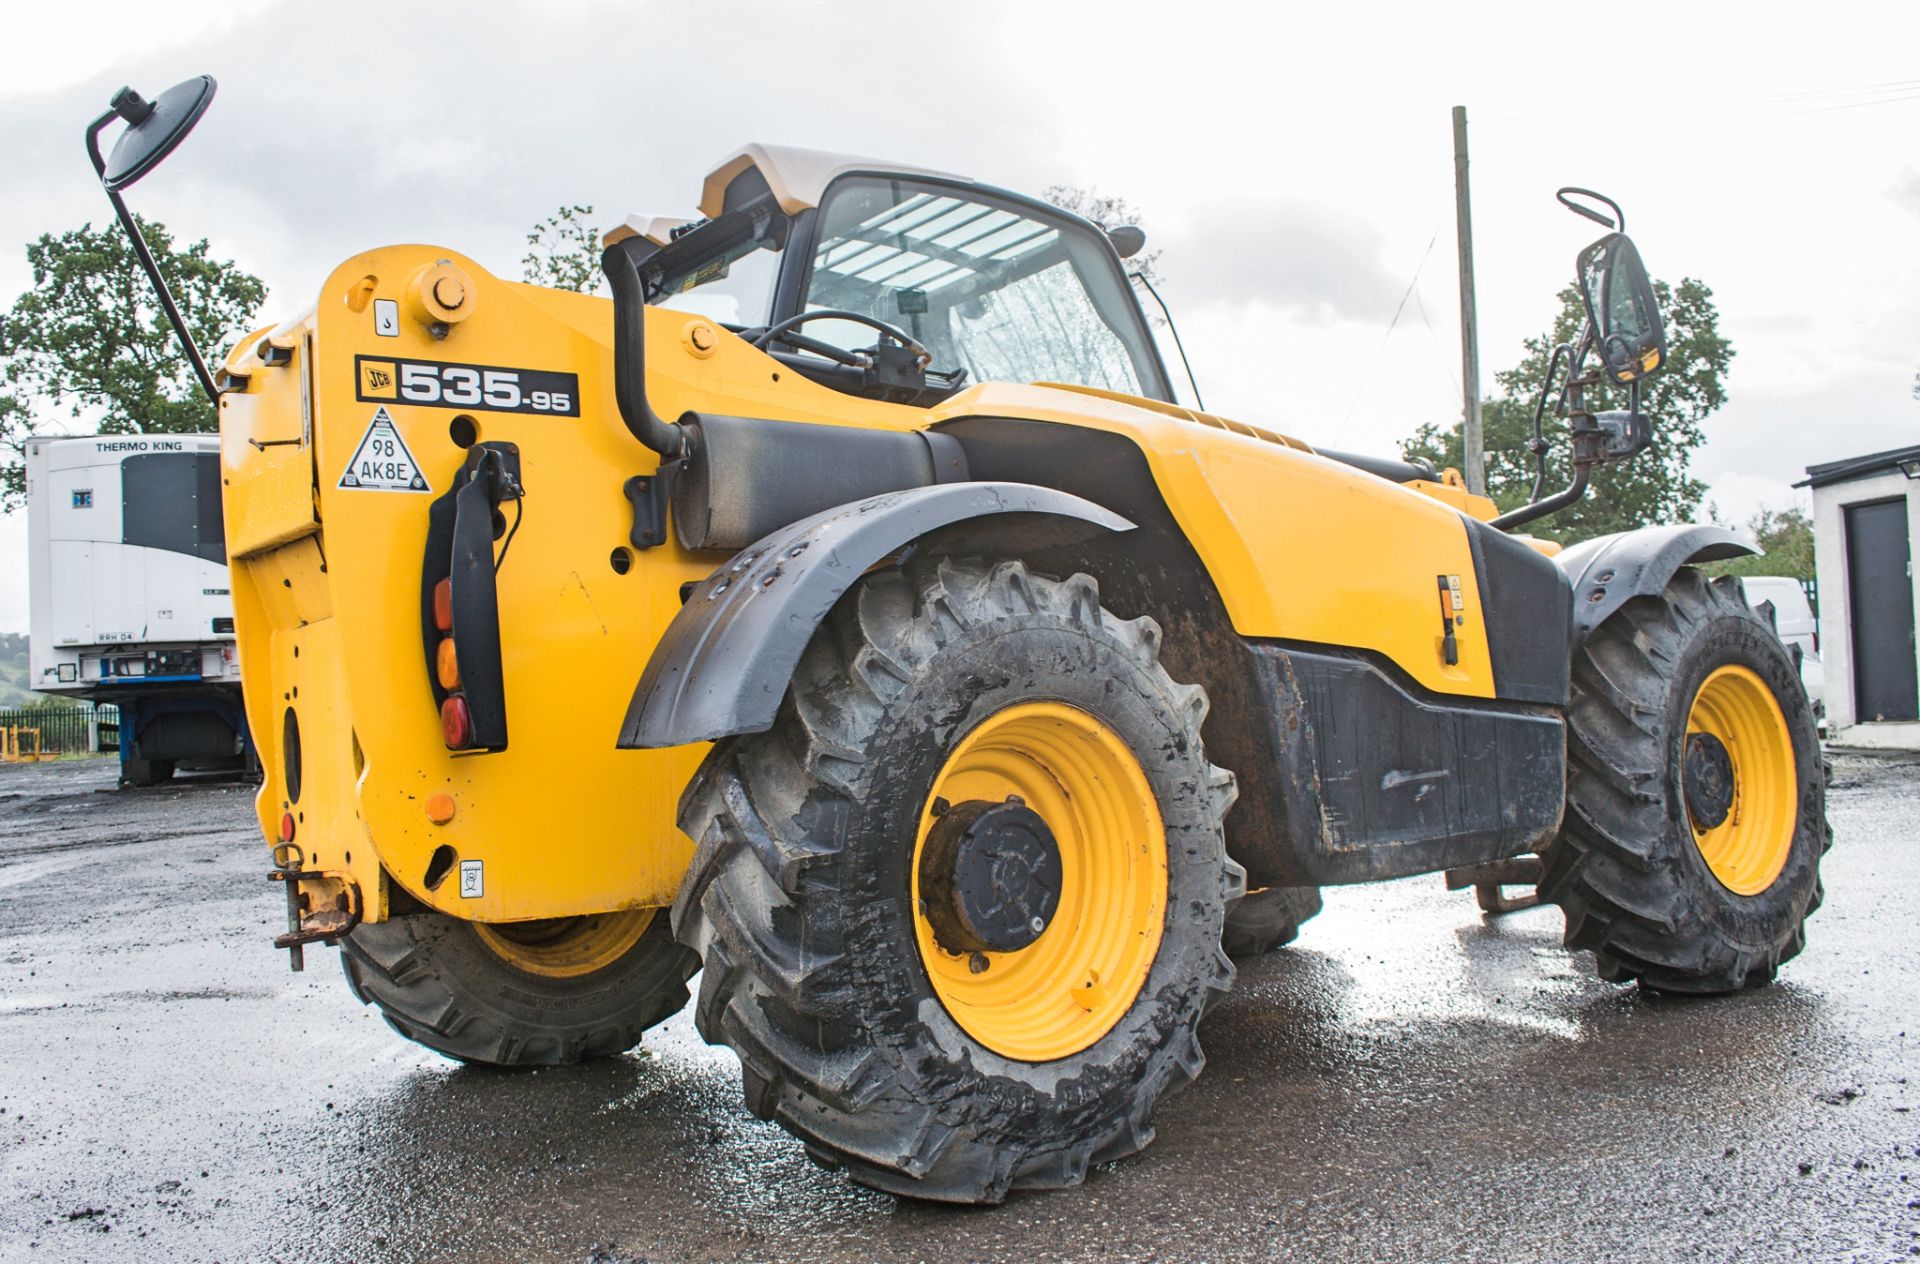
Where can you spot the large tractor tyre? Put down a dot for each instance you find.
(522, 994)
(959, 911)
(1261, 921)
(1696, 799)
(145, 773)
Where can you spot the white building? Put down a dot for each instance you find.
(1866, 515)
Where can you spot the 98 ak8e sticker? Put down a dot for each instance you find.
(382, 462)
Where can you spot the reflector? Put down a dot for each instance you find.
(456, 726)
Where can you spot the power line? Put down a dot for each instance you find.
(1853, 105)
(1381, 355)
(1446, 362)
(1896, 85)
(1765, 105)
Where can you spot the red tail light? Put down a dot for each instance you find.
(443, 605)
(456, 725)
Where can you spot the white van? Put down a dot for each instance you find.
(1793, 619)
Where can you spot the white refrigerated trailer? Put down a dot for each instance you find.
(129, 598)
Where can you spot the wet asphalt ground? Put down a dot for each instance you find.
(1408, 1082)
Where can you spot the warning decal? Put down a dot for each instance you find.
(382, 463)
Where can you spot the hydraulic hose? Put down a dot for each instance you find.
(630, 352)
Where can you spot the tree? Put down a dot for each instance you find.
(565, 252)
(1108, 211)
(1655, 486)
(90, 336)
(1785, 537)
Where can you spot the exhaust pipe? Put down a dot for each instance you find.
(630, 351)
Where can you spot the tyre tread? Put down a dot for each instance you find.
(391, 966)
(1604, 869)
(806, 1061)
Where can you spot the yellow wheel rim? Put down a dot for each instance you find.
(566, 947)
(1065, 990)
(1747, 850)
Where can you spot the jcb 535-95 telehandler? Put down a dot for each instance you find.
(846, 610)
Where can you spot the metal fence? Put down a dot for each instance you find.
(59, 728)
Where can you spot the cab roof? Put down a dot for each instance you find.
(798, 177)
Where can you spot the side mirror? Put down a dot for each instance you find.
(154, 128)
(1621, 306)
(1127, 239)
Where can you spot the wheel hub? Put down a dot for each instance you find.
(565, 947)
(990, 876)
(1708, 780)
(1105, 911)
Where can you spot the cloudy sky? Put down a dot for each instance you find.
(1291, 162)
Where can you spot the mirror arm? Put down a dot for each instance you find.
(1580, 349)
(1582, 473)
(1570, 393)
(1566, 194)
(1538, 444)
(145, 256)
(1199, 404)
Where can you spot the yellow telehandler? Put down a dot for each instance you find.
(846, 610)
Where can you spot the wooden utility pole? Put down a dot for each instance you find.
(1471, 444)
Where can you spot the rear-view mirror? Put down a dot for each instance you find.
(1621, 305)
(154, 128)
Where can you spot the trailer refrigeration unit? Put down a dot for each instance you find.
(130, 597)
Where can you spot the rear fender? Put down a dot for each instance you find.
(725, 661)
(1608, 572)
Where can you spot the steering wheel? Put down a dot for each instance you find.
(783, 331)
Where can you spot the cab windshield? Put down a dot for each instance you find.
(990, 286)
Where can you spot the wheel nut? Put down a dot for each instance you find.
(977, 963)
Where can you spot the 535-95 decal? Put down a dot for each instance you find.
(481, 387)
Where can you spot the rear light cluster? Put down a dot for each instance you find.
(456, 722)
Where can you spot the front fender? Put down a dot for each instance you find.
(723, 665)
(1611, 570)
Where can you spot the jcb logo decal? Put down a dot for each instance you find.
(376, 379)
(482, 387)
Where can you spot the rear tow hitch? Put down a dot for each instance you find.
(1487, 881)
(312, 917)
